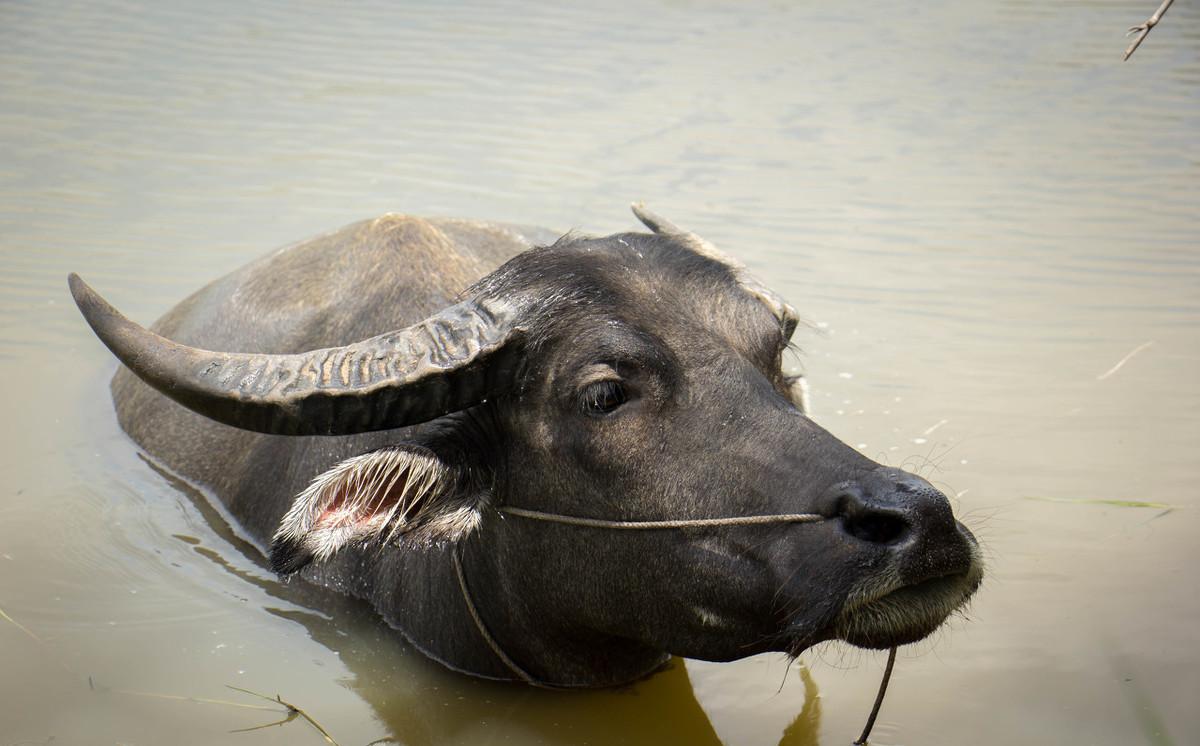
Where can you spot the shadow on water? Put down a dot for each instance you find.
(423, 704)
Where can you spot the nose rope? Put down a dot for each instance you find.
(570, 520)
(740, 520)
(479, 625)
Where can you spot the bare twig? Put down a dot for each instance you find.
(40, 641)
(293, 710)
(1143, 30)
(929, 430)
(1124, 360)
(1103, 501)
(19, 626)
(184, 698)
(291, 715)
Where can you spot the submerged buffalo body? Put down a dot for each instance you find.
(474, 383)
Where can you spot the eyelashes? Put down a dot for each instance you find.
(603, 397)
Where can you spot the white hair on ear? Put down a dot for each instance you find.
(377, 495)
(799, 391)
(452, 524)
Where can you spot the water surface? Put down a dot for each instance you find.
(979, 208)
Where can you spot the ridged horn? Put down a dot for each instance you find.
(788, 318)
(447, 362)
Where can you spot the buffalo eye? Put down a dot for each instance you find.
(603, 397)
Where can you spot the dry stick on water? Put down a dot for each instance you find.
(19, 626)
(1122, 361)
(29, 633)
(178, 697)
(291, 715)
(1144, 29)
(887, 675)
(293, 711)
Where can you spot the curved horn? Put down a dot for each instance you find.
(788, 318)
(447, 362)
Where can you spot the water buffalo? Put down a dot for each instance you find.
(558, 461)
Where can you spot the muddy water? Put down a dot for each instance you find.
(990, 221)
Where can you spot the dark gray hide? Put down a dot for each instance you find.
(451, 370)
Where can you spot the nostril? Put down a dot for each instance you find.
(876, 527)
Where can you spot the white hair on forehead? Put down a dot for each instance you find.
(379, 495)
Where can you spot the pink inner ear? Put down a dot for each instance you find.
(338, 510)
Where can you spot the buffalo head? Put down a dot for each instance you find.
(630, 378)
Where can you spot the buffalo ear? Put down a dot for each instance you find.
(404, 494)
(798, 392)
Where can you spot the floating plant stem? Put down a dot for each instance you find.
(292, 711)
